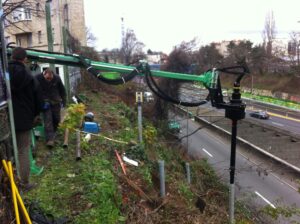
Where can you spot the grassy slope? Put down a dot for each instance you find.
(94, 190)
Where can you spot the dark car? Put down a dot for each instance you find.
(260, 115)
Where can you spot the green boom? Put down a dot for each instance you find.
(206, 78)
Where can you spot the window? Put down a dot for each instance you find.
(20, 14)
(29, 39)
(39, 37)
(24, 40)
(27, 13)
(18, 40)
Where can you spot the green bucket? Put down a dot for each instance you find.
(34, 169)
(39, 131)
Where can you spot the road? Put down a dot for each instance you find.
(279, 121)
(250, 182)
(281, 118)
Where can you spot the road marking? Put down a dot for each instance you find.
(284, 182)
(266, 200)
(285, 117)
(248, 159)
(204, 150)
(278, 124)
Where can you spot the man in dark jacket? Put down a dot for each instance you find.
(54, 97)
(26, 106)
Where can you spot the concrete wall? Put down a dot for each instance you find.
(280, 95)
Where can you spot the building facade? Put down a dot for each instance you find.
(26, 25)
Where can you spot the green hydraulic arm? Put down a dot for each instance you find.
(74, 60)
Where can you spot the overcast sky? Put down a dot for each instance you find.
(162, 24)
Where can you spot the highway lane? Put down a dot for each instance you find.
(280, 118)
(278, 121)
(262, 189)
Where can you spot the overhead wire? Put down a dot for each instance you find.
(201, 127)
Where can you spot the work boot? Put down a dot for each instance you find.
(50, 144)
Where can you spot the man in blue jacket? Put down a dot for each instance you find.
(54, 97)
(26, 106)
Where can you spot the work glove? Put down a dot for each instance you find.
(46, 106)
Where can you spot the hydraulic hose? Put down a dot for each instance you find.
(161, 94)
(98, 75)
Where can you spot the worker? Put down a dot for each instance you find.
(26, 107)
(54, 98)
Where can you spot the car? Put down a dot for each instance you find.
(174, 126)
(260, 115)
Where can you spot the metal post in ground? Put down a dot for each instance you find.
(161, 164)
(66, 138)
(188, 172)
(139, 100)
(187, 131)
(78, 149)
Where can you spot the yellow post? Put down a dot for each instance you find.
(18, 195)
(13, 192)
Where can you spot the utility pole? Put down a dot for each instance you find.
(49, 29)
(66, 69)
(187, 131)
(251, 83)
(122, 32)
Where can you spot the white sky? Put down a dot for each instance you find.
(162, 24)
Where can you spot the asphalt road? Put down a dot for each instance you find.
(251, 184)
(279, 121)
(279, 117)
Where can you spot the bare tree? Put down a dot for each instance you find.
(269, 33)
(90, 37)
(179, 60)
(13, 8)
(208, 57)
(293, 47)
(131, 49)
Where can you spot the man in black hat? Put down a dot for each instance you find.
(26, 107)
(54, 97)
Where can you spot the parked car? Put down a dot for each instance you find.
(260, 115)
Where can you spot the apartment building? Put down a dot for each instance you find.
(26, 25)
